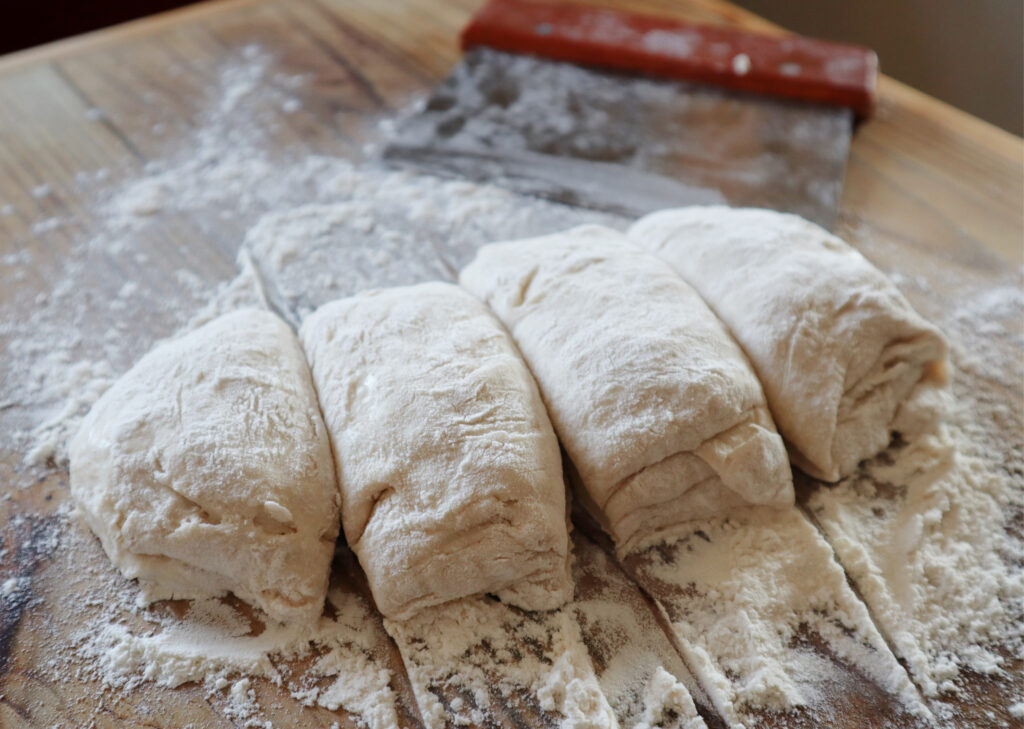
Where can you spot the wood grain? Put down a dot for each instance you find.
(924, 179)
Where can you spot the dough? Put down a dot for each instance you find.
(206, 468)
(840, 352)
(655, 404)
(450, 473)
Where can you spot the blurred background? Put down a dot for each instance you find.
(969, 53)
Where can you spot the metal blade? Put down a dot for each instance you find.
(623, 143)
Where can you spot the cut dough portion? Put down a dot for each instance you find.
(450, 473)
(841, 354)
(206, 468)
(655, 404)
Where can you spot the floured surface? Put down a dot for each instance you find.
(641, 674)
(143, 252)
(475, 660)
(918, 540)
(602, 661)
(218, 653)
(765, 619)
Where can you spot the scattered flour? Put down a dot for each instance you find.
(216, 644)
(638, 670)
(473, 657)
(750, 599)
(76, 392)
(919, 533)
(344, 227)
(600, 662)
(242, 700)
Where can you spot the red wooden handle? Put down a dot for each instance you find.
(787, 66)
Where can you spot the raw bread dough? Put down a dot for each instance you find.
(839, 350)
(207, 468)
(655, 404)
(450, 473)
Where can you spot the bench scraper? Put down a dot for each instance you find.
(630, 113)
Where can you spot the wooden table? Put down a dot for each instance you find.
(922, 176)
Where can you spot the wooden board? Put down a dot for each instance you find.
(925, 182)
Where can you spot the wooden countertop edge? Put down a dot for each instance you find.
(996, 139)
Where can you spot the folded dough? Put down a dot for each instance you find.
(654, 402)
(450, 473)
(840, 352)
(207, 468)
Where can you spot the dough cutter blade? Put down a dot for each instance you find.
(628, 114)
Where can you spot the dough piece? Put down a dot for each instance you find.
(206, 468)
(655, 404)
(450, 473)
(839, 350)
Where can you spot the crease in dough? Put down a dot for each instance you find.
(206, 469)
(844, 359)
(660, 413)
(450, 472)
